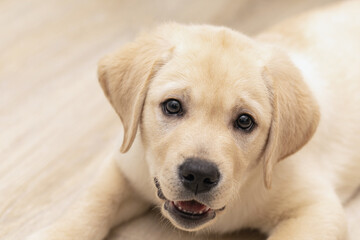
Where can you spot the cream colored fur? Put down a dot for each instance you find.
(289, 177)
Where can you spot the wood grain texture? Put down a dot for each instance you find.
(56, 126)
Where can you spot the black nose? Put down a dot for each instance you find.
(199, 175)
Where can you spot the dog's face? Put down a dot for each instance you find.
(210, 108)
(205, 122)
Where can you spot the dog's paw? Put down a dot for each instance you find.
(67, 232)
(41, 235)
(48, 234)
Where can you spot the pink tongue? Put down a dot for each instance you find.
(192, 206)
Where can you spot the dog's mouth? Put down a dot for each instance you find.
(187, 215)
(191, 208)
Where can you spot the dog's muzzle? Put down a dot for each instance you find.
(188, 215)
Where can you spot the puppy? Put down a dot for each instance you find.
(223, 131)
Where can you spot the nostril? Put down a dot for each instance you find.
(189, 177)
(208, 181)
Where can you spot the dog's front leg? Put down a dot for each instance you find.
(323, 221)
(108, 202)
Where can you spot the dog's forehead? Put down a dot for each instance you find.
(214, 71)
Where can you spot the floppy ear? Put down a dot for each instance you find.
(125, 76)
(295, 112)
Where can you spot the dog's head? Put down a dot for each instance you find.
(212, 106)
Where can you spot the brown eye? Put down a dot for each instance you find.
(172, 107)
(244, 122)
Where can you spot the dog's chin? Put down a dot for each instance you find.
(189, 215)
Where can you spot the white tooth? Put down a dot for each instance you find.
(180, 208)
(200, 212)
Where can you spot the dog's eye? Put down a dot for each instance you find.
(172, 107)
(244, 122)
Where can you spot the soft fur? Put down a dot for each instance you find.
(288, 177)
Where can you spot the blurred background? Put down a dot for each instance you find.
(55, 124)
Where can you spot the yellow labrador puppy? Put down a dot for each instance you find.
(223, 131)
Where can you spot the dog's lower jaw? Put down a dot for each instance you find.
(186, 221)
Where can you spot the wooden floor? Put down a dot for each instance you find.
(55, 124)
